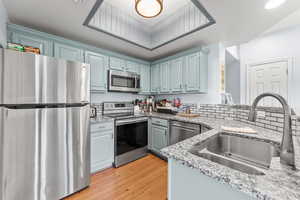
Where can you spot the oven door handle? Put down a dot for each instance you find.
(124, 122)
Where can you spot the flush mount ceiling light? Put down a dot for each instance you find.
(148, 8)
(271, 4)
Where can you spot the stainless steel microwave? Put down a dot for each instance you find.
(119, 81)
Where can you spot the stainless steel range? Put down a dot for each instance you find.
(131, 132)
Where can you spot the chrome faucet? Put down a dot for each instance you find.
(287, 155)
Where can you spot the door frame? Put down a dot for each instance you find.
(290, 75)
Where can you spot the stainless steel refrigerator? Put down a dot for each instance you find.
(44, 122)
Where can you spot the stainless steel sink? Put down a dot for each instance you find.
(239, 153)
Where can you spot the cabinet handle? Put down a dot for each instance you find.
(112, 136)
(101, 127)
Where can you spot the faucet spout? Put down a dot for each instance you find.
(287, 155)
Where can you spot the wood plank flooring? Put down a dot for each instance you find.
(144, 179)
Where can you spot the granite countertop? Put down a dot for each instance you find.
(280, 182)
(100, 119)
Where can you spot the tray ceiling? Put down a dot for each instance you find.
(119, 19)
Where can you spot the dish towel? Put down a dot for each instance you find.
(238, 130)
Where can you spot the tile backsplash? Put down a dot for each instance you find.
(269, 118)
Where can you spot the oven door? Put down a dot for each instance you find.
(123, 81)
(131, 140)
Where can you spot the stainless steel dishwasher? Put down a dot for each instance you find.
(182, 130)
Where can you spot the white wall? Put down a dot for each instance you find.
(3, 21)
(282, 44)
(213, 95)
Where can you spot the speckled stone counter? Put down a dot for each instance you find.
(101, 119)
(279, 182)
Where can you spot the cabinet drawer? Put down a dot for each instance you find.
(96, 127)
(161, 122)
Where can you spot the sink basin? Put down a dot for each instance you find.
(239, 153)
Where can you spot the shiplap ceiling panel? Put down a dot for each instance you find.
(121, 21)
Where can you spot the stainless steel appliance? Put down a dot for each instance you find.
(131, 139)
(120, 81)
(44, 120)
(182, 130)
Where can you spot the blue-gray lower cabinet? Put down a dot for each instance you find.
(45, 46)
(159, 134)
(102, 146)
(67, 52)
(99, 71)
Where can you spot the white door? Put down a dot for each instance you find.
(268, 77)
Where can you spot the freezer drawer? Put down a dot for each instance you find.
(45, 152)
(35, 79)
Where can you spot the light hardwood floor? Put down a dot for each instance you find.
(144, 179)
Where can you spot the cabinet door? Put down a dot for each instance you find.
(99, 67)
(165, 77)
(68, 52)
(45, 46)
(145, 79)
(176, 75)
(203, 72)
(192, 72)
(159, 138)
(155, 78)
(116, 63)
(102, 150)
(132, 67)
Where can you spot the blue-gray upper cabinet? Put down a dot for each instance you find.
(67, 52)
(155, 78)
(145, 79)
(99, 68)
(165, 77)
(45, 46)
(132, 67)
(117, 63)
(203, 72)
(176, 75)
(192, 73)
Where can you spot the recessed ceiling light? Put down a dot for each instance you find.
(271, 4)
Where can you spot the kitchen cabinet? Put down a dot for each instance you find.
(155, 78)
(67, 52)
(102, 146)
(45, 46)
(99, 70)
(117, 63)
(192, 72)
(132, 67)
(145, 79)
(184, 74)
(159, 137)
(159, 134)
(176, 75)
(165, 77)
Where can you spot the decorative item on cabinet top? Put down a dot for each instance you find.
(118, 19)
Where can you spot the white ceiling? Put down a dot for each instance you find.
(169, 7)
(237, 21)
